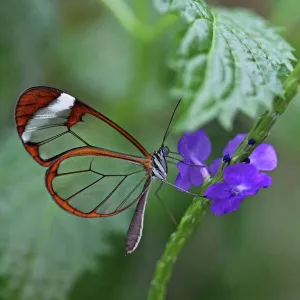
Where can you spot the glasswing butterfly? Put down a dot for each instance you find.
(44, 117)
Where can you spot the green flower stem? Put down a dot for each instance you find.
(134, 26)
(128, 20)
(164, 23)
(199, 206)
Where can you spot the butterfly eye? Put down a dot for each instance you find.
(165, 151)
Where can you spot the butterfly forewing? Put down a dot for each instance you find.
(51, 122)
(96, 185)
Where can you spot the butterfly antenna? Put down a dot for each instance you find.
(167, 131)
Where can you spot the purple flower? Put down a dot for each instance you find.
(195, 149)
(263, 157)
(240, 180)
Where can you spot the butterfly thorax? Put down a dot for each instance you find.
(159, 163)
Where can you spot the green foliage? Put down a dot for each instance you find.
(226, 61)
(43, 249)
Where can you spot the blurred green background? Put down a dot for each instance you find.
(45, 253)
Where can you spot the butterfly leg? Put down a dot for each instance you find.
(180, 189)
(164, 206)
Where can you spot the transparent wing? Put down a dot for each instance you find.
(93, 182)
(51, 122)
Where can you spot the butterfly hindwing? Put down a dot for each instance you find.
(91, 182)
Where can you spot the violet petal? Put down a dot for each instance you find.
(240, 174)
(218, 191)
(264, 157)
(183, 169)
(182, 182)
(233, 144)
(214, 167)
(182, 145)
(231, 204)
(195, 175)
(266, 180)
(262, 181)
(194, 146)
(203, 145)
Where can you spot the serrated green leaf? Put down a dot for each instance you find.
(43, 249)
(226, 61)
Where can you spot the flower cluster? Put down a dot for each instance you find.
(240, 180)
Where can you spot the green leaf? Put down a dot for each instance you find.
(226, 61)
(44, 250)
